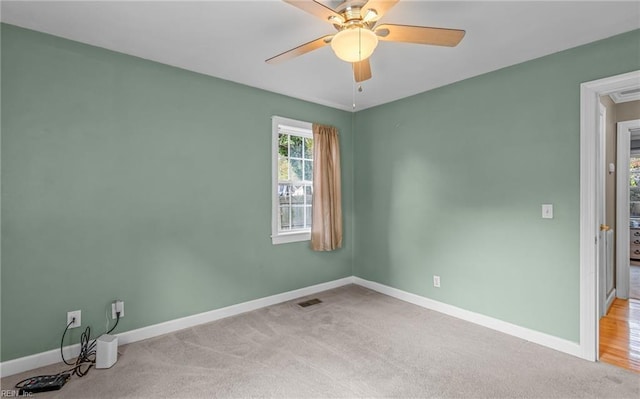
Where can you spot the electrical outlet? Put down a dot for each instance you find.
(78, 315)
(436, 281)
(117, 306)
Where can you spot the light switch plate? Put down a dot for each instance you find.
(547, 211)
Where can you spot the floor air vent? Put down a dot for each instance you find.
(310, 302)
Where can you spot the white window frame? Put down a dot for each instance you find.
(299, 128)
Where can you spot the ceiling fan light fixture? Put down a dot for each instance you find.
(354, 44)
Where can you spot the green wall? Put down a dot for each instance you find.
(124, 178)
(450, 183)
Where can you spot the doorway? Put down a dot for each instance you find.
(619, 329)
(628, 204)
(591, 204)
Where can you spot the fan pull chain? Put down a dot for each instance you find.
(353, 95)
(353, 92)
(359, 66)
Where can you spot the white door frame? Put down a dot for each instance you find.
(589, 110)
(622, 203)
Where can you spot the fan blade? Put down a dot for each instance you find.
(318, 10)
(362, 70)
(420, 34)
(380, 7)
(302, 49)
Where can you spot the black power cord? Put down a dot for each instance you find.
(87, 357)
(115, 325)
(62, 341)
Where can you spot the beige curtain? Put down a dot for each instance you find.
(326, 227)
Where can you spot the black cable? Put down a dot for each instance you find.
(115, 325)
(62, 343)
(87, 356)
(87, 352)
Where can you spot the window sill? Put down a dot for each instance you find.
(291, 237)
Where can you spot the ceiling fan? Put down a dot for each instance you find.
(358, 34)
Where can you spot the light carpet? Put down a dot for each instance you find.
(357, 343)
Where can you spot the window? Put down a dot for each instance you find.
(634, 186)
(292, 180)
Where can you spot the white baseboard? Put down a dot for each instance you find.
(610, 298)
(31, 362)
(41, 359)
(537, 337)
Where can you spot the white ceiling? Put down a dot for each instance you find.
(231, 40)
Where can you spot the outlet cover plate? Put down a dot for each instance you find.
(113, 310)
(78, 315)
(436, 281)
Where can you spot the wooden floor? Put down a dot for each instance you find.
(620, 335)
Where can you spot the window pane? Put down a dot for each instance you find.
(308, 170)
(309, 217)
(297, 195)
(296, 147)
(283, 145)
(634, 209)
(308, 148)
(284, 218)
(309, 193)
(296, 169)
(283, 168)
(634, 187)
(634, 172)
(284, 194)
(297, 217)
